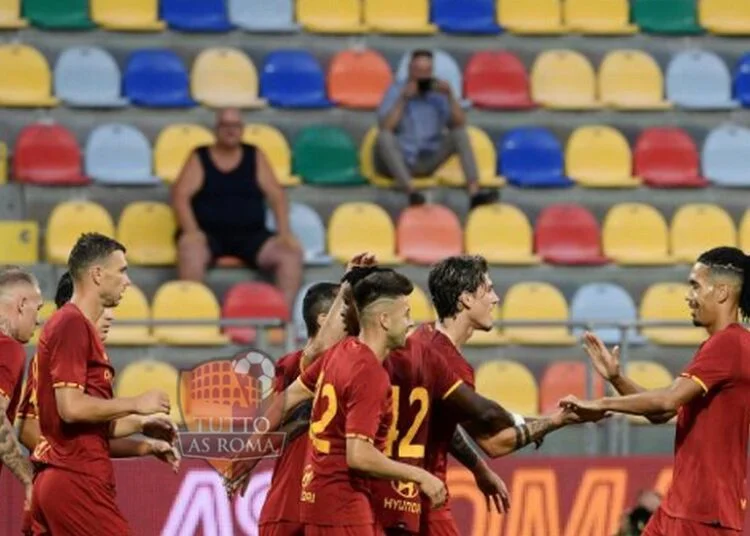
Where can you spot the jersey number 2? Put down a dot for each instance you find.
(406, 447)
(316, 427)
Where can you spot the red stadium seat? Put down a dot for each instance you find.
(666, 157)
(564, 378)
(48, 155)
(568, 234)
(252, 300)
(497, 80)
(426, 234)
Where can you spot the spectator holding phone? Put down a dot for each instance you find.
(421, 125)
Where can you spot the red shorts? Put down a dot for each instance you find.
(662, 524)
(344, 530)
(64, 503)
(281, 528)
(440, 525)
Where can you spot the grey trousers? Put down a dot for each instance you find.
(389, 160)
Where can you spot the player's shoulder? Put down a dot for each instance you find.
(289, 364)
(11, 349)
(734, 335)
(66, 318)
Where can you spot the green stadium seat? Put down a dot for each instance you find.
(666, 16)
(57, 15)
(326, 156)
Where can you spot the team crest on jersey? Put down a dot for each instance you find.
(408, 490)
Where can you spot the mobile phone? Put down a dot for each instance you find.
(425, 84)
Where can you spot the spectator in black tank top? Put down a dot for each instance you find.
(219, 200)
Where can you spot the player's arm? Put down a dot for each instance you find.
(10, 449)
(28, 431)
(479, 415)
(519, 436)
(73, 405)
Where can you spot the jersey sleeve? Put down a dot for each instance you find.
(12, 358)
(27, 405)
(443, 379)
(309, 377)
(367, 390)
(714, 362)
(69, 348)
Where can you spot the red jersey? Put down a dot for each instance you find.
(711, 439)
(352, 399)
(282, 501)
(70, 354)
(12, 359)
(27, 406)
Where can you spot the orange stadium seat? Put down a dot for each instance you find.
(564, 80)
(358, 78)
(510, 384)
(174, 145)
(252, 299)
(426, 234)
(501, 233)
(698, 227)
(665, 302)
(564, 378)
(142, 376)
(20, 240)
(536, 302)
(148, 230)
(133, 306)
(187, 301)
(355, 227)
(68, 221)
(631, 80)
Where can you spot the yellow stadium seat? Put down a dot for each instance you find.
(3, 163)
(421, 308)
(26, 80)
(666, 302)
(274, 145)
(599, 17)
(564, 80)
(10, 15)
(636, 234)
(501, 233)
(648, 375)
(631, 80)
(131, 16)
(451, 174)
(399, 17)
(174, 145)
(531, 16)
(357, 227)
(147, 229)
(133, 306)
(494, 337)
(510, 384)
(20, 240)
(142, 376)
(744, 232)
(536, 302)
(698, 227)
(599, 157)
(322, 16)
(48, 308)
(727, 17)
(225, 77)
(187, 300)
(368, 166)
(68, 221)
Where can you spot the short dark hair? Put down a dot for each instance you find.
(91, 248)
(12, 275)
(452, 277)
(381, 283)
(730, 261)
(421, 53)
(64, 290)
(318, 300)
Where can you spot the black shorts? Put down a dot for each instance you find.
(243, 246)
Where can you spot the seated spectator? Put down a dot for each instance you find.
(421, 125)
(220, 202)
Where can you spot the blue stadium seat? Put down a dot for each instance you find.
(724, 156)
(195, 16)
(531, 157)
(88, 77)
(604, 302)
(465, 16)
(444, 67)
(157, 78)
(119, 154)
(273, 16)
(742, 80)
(699, 80)
(293, 79)
(309, 230)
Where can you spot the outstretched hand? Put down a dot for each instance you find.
(606, 363)
(576, 410)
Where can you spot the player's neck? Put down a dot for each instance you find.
(723, 322)
(376, 342)
(6, 326)
(458, 329)
(89, 304)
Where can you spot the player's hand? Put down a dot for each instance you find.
(494, 489)
(164, 451)
(151, 402)
(585, 410)
(159, 426)
(361, 260)
(434, 488)
(606, 363)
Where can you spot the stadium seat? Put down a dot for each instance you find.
(273, 144)
(598, 17)
(635, 234)
(3, 164)
(134, 16)
(254, 299)
(723, 156)
(309, 229)
(397, 17)
(427, 234)
(321, 16)
(451, 173)
(368, 166)
(724, 17)
(10, 15)
(225, 77)
(88, 77)
(147, 229)
(631, 80)
(604, 302)
(56, 15)
(493, 337)
(68, 220)
(497, 80)
(357, 226)
(48, 155)
(134, 307)
(665, 302)
(599, 156)
(191, 16)
(564, 80)
(744, 232)
(667, 158)
(26, 80)
(421, 308)
(293, 79)
(358, 78)
(444, 67)
(568, 234)
(173, 147)
(263, 16)
(742, 80)
(465, 16)
(119, 154)
(697, 227)
(142, 376)
(563, 378)
(666, 16)
(648, 374)
(20, 241)
(699, 80)
(187, 301)
(534, 301)
(531, 157)
(501, 233)
(510, 384)
(326, 156)
(531, 16)
(157, 78)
